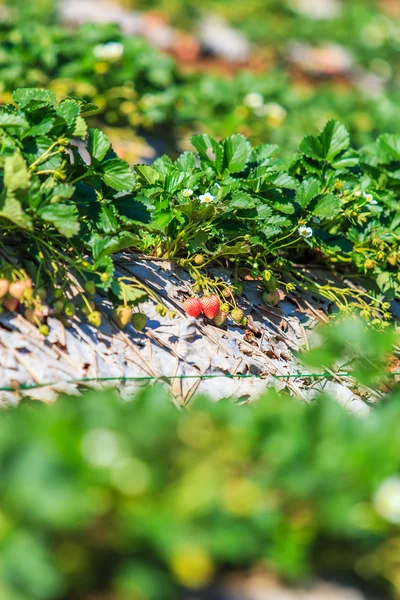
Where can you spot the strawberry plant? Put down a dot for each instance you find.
(248, 208)
(56, 211)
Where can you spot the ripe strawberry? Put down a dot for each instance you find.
(220, 318)
(237, 315)
(210, 305)
(11, 304)
(139, 321)
(4, 285)
(192, 307)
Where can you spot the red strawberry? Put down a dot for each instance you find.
(210, 306)
(192, 307)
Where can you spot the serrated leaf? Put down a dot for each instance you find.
(327, 206)
(210, 151)
(98, 144)
(81, 128)
(117, 174)
(11, 209)
(128, 293)
(23, 96)
(241, 200)
(16, 174)
(237, 151)
(63, 216)
(147, 173)
(283, 180)
(12, 119)
(69, 110)
(390, 144)
(186, 161)
(105, 246)
(307, 191)
(332, 140)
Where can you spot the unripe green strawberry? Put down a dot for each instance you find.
(44, 330)
(161, 309)
(69, 309)
(121, 316)
(58, 307)
(88, 308)
(270, 285)
(243, 322)
(274, 297)
(198, 260)
(237, 315)
(171, 314)
(4, 285)
(90, 287)
(41, 293)
(227, 292)
(139, 321)
(94, 318)
(58, 293)
(10, 303)
(225, 307)
(392, 259)
(220, 318)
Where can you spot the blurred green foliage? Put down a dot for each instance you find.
(137, 500)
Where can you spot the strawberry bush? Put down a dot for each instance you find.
(250, 208)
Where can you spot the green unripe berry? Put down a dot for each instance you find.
(94, 318)
(139, 321)
(198, 260)
(90, 287)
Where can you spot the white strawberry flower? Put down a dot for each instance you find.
(108, 51)
(305, 231)
(187, 193)
(253, 100)
(207, 197)
(370, 199)
(387, 500)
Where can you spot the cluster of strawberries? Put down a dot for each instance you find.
(211, 308)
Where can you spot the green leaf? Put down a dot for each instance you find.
(128, 293)
(105, 246)
(333, 139)
(241, 200)
(117, 174)
(12, 119)
(237, 151)
(147, 174)
(23, 96)
(16, 174)
(81, 129)
(390, 144)
(210, 151)
(11, 209)
(283, 180)
(64, 217)
(327, 206)
(98, 144)
(307, 191)
(69, 110)
(186, 161)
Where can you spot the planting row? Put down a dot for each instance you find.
(261, 214)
